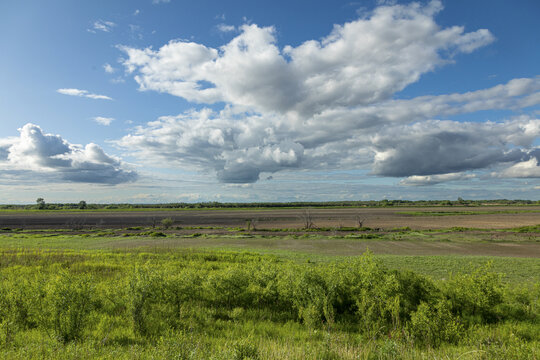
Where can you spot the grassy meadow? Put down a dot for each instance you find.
(105, 294)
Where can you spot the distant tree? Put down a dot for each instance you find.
(360, 220)
(82, 204)
(167, 223)
(41, 203)
(307, 219)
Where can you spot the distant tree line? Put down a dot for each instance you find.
(83, 205)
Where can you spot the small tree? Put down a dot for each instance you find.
(251, 224)
(82, 205)
(360, 221)
(41, 203)
(167, 223)
(307, 219)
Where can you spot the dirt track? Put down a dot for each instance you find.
(384, 218)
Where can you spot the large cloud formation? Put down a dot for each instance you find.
(439, 147)
(328, 104)
(358, 63)
(36, 152)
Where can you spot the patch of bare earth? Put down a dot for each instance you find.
(384, 218)
(252, 229)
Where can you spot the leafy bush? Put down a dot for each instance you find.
(245, 350)
(146, 296)
(376, 295)
(434, 324)
(414, 289)
(70, 300)
(180, 289)
(167, 223)
(229, 288)
(313, 298)
(476, 296)
(146, 300)
(17, 303)
(157, 234)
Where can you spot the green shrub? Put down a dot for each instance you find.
(434, 324)
(21, 294)
(413, 290)
(522, 303)
(476, 297)
(70, 300)
(263, 286)
(376, 294)
(18, 302)
(229, 287)
(313, 298)
(180, 289)
(245, 350)
(146, 303)
(157, 234)
(167, 223)
(198, 304)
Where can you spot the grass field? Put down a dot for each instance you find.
(453, 257)
(219, 292)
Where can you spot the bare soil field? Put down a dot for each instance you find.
(418, 218)
(399, 231)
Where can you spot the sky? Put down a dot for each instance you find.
(151, 101)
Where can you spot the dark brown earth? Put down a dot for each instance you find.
(377, 218)
(476, 232)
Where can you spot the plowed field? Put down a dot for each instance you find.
(378, 218)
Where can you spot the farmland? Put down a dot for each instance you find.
(303, 283)
(489, 217)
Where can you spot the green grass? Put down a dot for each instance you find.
(46, 276)
(515, 270)
(72, 208)
(313, 248)
(208, 330)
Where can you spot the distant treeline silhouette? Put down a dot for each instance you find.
(296, 204)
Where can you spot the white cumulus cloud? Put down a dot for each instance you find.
(440, 147)
(102, 25)
(226, 28)
(419, 180)
(361, 62)
(106, 121)
(329, 103)
(36, 153)
(525, 169)
(82, 93)
(108, 68)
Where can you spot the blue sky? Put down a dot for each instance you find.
(165, 101)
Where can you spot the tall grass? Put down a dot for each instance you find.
(230, 305)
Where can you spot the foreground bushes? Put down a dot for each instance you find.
(147, 296)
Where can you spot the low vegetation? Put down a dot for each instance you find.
(167, 288)
(188, 304)
(83, 205)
